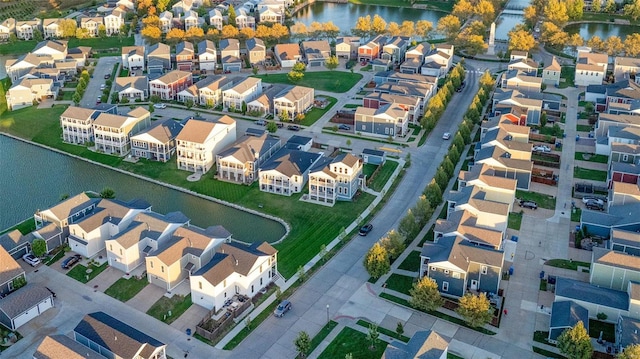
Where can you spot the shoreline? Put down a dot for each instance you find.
(286, 226)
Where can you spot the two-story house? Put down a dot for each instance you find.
(167, 86)
(17, 68)
(293, 101)
(185, 54)
(10, 272)
(625, 67)
(207, 55)
(166, 21)
(335, 179)
(230, 55)
(200, 141)
(410, 104)
(92, 24)
(132, 88)
(624, 160)
(25, 29)
(523, 63)
(386, 121)
(210, 90)
(245, 20)
(114, 21)
(158, 142)
(394, 49)
(287, 55)
(51, 28)
(29, 91)
(551, 73)
(133, 57)
(191, 20)
(347, 47)
(414, 58)
(158, 58)
(371, 50)
(66, 212)
(272, 16)
(216, 20)
(240, 162)
(590, 68)
(57, 49)
(234, 269)
(241, 93)
(112, 133)
(77, 125)
(7, 27)
(518, 80)
(316, 52)
(257, 51)
(287, 171)
(438, 61)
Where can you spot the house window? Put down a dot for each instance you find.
(456, 275)
(484, 269)
(625, 157)
(120, 251)
(445, 286)
(252, 288)
(446, 271)
(200, 285)
(433, 269)
(151, 264)
(162, 269)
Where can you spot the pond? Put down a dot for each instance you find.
(34, 178)
(603, 30)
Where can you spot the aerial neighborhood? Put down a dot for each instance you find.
(279, 179)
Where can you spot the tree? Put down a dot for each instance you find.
(228, 32)
(378, 25)
(433, 193)
(303, 344)
(423, 29)
(19, 282)
(632, 10)
(530, 16)
(575, 9)
(556, 12)
(231, 16)
(332, 63)
(393, 29)
(302, 275)
(422, 210)
(331, 30)
(13, 38)
(610, 7)
(299, 30)
(272, 127)
(279, 32)
(449, 26)
(575, 40)
(143, 6)
(363, 26)
(107, 193)
(196, 34)
(407, 28)
(39, 247)
(596, 43)
(284, 115)
(463, 9)
(151, 20)
(521, 40)
(76, 98)
(408, 226)
(37, 35)
(102, 31)
(475, 309)
(115, 97)
(68, 27)
(614, 46)
(295, 76)
(630, 352)
(212, 34)
(399, 329)
(486, 80)
(376, 262)
(575, 342)
(372, 336)
(151, 34)
(632, 45)
(393, 243)
(299, 67)
(596, 6)
(161, 5)
(425, 295)
(485, 10)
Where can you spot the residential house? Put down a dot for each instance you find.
(612, 128)
(374, 157)
(92, 24)
(17, 68)
(524, 64)
(625, 241)
(158, 58)
(114, 21)
(335, 179)
(294, 101)
(385, 121)
(414, 58)
(133, 57)
(158, 142)
(287, 55)
(16, 243)
(25, 29)
(115, 339)
(125, 5)
(51, 28)
(371, 50)
(347, 47)
(257, 51)
(87, 236)
(185, 54)
(200, 141)
(316, 52)
(210, 89)
(61, 346)
(66, 212)
(132, 88)
(627, 332)
(409, 104)
(191, 20)
(241, 93)
(619, 216)
(593, 298)
(424, 344)
(614, 270)
(234, 269)
(166, 21)
(503, 164)
(551, 73)
(167, 86)
(77, 125)
(625, 68)
(29, 91)
(624, 159)
(438, 61)
(188, 250)
(380, 64)
(287, 171)
(245, 20)
(216, 20)
(7, 27)
(299, 143)
(518, 80)
(57, 49)
(263, 104)
(207, 55)
(240, 162)
(182, 7)
(50, 234)
(458, 266)
(272, 16)
(565, 315)
(590, 68)
(618, 94)
(623, 193)
(127, 250)
(394, 49)
(23, 305)
(10, 272)
(112, 133)
(230, 55)
(505, 99)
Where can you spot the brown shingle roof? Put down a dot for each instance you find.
(287, 51)
(77, 113)
(63, 347)
(173, 76)
(616, 259)
(71, 206)
(9, 268)
(185, 241)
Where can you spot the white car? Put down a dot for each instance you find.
(31, 259)
(542, 148)
(586, 200)
(446, 136)
(159, 105)
(103, 86)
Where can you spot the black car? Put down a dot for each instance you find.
(69, 262)
(344, 127)
(528, 204)
(107, 76)
(293, 128)
(594, 205)
(364, 230)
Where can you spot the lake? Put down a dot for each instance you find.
(589, 30)
(33, 178)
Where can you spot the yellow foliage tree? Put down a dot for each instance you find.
(174, 36)
(151, 34)
(521, 40)
(230, 32)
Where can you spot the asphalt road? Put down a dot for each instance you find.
(93, 92)
(332, 286)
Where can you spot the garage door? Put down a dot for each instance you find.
(17, 253)
(45, 304)
(32, 313)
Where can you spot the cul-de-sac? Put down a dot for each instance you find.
(326, 179)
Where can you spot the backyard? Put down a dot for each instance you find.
(412, 262)
(351, 341)
(332, 81)
(543, 200)
(383, 175)
(591, 157)
(515, 220)
(400, 283)
(177, 305)
(85, 274)
(314, 115)
(589, 174)
(22, 47)
(124, 289)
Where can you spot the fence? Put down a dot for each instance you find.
(211, 329)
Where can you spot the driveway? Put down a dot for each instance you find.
(93, 92)
(105, 279)
(190, 318)
(146, 297)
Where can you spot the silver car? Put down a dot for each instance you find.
(282, 308)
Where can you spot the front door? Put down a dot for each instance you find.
(474, 284)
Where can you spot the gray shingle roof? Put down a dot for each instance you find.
(583, 291)
(423, 345)
(63, 347)
(565, 314)
(291, 162)
(23, 299)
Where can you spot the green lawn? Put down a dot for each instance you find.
(582, 156)
(543, 200)
(311, 225)
(79, 272)
(427, 237)
(541, 337)
(575, 215)
(56, 257)
(332, 81)
(177, 304)
(400, 283)
(351, 341)
(383, 175)
(351, 105)
(368, 169)
(106, 43)
(67, 95)
(515, 220)
(385, 331)
(607, 329)
(25, 227)
(589, 174)
(314, 115)
(315, 341)
(412, 262)
(567, 264)
(584, 128)
(18, 48)
(568, 73)
(547, 353)
(366, 68)
(124, 289)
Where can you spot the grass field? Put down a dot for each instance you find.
(79, 272)
(177, 304)
(383, 175)
(314, 115)
(543, 200)
(412, 262)
(315, 341)
(124, 289)
(581, 156)
(584, 128)
(332, 81)
(351, 341)
(21, 46)
(589, 174)
(515, 220)
(400, 283)
(385, 331)
(567, 264)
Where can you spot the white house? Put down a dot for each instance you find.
(207, 55)
(112, 133)
(51, 28)
(210, 89)
(294, 101)
(133, 57)
(166, 21)
(77, 125)
(132, 88)
(200, 141)
(590, 68)
(242, 93)
(27, 91)
(333, 179)
(216, 20)
(287, 171)
(114, 21)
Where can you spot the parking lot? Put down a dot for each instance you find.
(93, 92)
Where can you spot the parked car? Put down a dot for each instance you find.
(282, 308)
(69, 262)
(459, 89)
(107, 76)
(103, 86)
(586, 200)
(446, 136)
(99, 101)
(364, 230)
(594, 206)
(159, 105)
(344, 127)
(528, 204)
(31, 259)
(261, 122)
(293, 128)
(542, 148)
